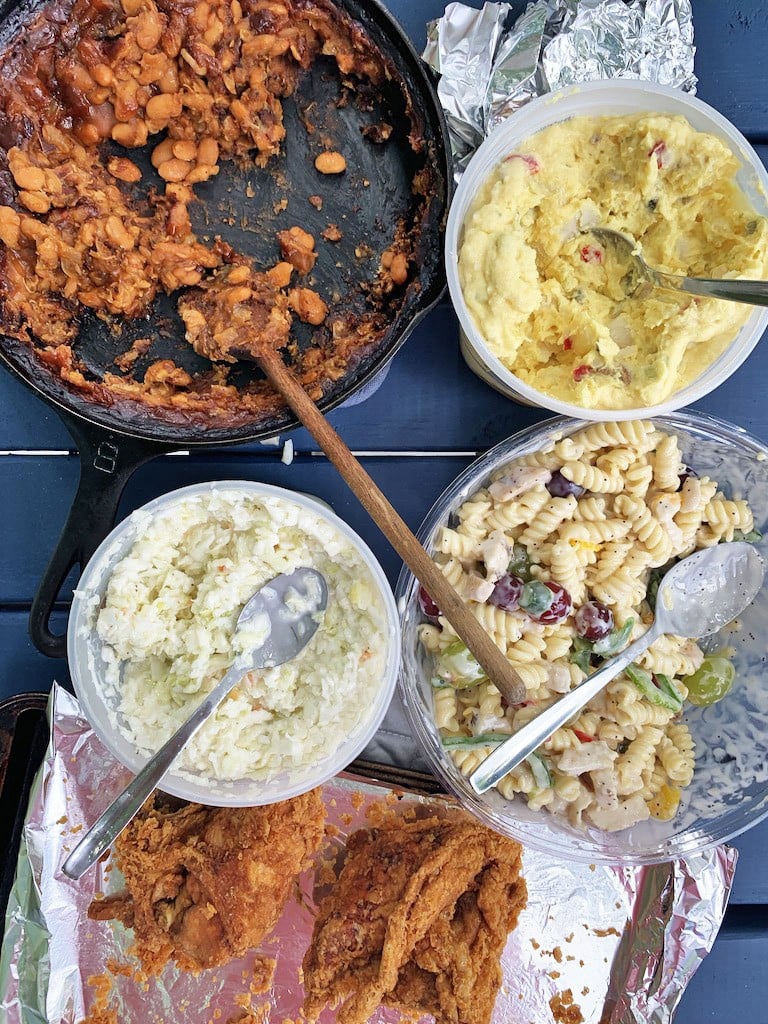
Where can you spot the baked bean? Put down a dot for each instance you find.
(214, 33)
(169, 80)
(398, 270)
(153, 67)
(330, 162)
(133, 7)
(237, 10)
(240, 112)
(102, 74)
(240, 294)
(280, 274)
(88, 134)
(308, 305)
(200, 15)
(123, 169)
(237, 274)
(116, 232)
(208, 152)
(131, 133)
(29, 177)
(201, 173)
(173, 36)
(184, 149)
(163, 151)
(148, 29)
(174, 170)
(10, 224)
(53, 184)
(163, 107)
(36, 202)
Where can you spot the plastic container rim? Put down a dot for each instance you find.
(119, 541)
(622, 94)
(552, 839)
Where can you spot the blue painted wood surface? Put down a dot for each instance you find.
(425, 420)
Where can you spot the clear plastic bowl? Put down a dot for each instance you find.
(84, 650)
(595, 99)
(729, 792)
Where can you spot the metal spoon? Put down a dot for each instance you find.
(753, 292)
(696, 598)
(291, 630)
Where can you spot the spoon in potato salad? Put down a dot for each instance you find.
(273, 627)
(697, 597)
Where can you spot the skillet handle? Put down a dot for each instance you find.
(107, 460)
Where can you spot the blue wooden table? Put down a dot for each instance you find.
(428, 419)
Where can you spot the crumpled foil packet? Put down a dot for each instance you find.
(489, 68)
(617, 945)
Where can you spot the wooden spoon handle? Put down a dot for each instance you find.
(498, 669)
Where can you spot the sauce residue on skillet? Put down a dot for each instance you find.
(208, 80)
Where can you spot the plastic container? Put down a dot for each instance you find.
(596, 99)
(729, 792)
(84, 651)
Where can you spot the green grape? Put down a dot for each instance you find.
(711, 682)
(520, 563)
(536, 597)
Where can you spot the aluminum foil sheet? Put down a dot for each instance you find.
(490, 65)
(615, 945)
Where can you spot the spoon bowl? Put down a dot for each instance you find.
(640, 275)
(696, 598)
(273, 627)
(708, 589)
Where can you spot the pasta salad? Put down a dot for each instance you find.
(559, 557)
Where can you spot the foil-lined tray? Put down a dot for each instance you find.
(615, 945)
(490, 65)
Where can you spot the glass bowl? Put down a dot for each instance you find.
(729, 791)
(87, 663)
(596, 99)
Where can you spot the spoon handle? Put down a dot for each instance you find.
(523, 743)
(397, 532)
(753, 292)
(125, 807)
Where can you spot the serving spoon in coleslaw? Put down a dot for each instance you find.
(273, 627)
(697, 597)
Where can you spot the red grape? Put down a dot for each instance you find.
(593, 620)
(560, 487)
(506, 593)
(427, 605)
(559, 609)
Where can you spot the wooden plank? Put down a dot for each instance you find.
(22, 668)
(430, 401)
(731, 983)
(730, 38)
(39, 489)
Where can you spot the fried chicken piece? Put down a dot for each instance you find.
(206, 884)
(417, 920)
(236, 312)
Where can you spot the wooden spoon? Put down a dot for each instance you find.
(496, 666)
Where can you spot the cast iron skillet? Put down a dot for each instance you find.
(241, 207)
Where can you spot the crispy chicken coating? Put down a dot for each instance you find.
(206, 884)
(417, 920)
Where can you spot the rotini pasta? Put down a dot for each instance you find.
(560, 549)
